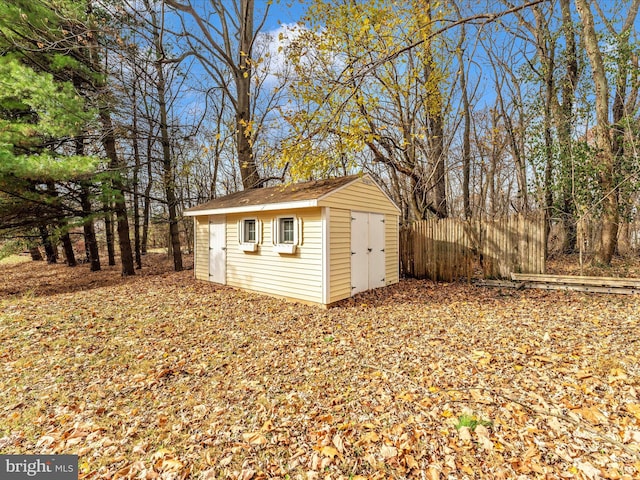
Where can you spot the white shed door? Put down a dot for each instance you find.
(217, 249)
(359, 252)
(367, 251)
(376, 250)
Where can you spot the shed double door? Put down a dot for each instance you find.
(367, 251)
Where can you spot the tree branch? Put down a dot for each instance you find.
(486, 17)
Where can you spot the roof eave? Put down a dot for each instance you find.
(253, 208)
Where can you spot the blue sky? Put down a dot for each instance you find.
(281, 12)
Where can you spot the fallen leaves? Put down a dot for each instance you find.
(254, 438)
(482, 434)
(388, 451)
(634, 409)
(338, 443)
(160, 376)
(329, 451)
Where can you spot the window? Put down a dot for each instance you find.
(249, 230)
(249, 234)
(285, 234)
(285, 229)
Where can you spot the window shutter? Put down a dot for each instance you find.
(274, 230)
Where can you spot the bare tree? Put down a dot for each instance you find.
(224, 44)
(607, 155)
(168, 166)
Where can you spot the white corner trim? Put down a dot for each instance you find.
(196, 239)
(326, 255)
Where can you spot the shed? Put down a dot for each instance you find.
(317, 242)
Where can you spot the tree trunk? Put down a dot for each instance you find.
(187, 225)
(67, 247)
(90, 241)
(548, 179)
(436, 143)
(36, 256)
(216, 157)
(146, 213)
(624, 125)
(466, 142)
(624, 238)
(435, 128)
(564, 119)
(243, 77)
(120, 207)
(493, 166)
(548, 147)
(49, 249)
(605, 155)
(108, 229)
(167, 160)
(109, 145)
(136, 180)
(546, 47)
(466, 111)
(521, 172)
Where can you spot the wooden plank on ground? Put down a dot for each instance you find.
(498, 283)
(583, 288)
(554, 286)
(577, 280)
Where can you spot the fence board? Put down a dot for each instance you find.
(450, 249)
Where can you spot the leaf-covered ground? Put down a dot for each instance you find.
(161, 376)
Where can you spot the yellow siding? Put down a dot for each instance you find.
(340, 254)
(294, 276)
(392, 266)
(361, 196)
(201, 257)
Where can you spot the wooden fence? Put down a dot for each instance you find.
(451, 249)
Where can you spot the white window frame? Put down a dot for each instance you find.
(247, 245)
(277, 232)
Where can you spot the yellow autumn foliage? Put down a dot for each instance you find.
(353, 90)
